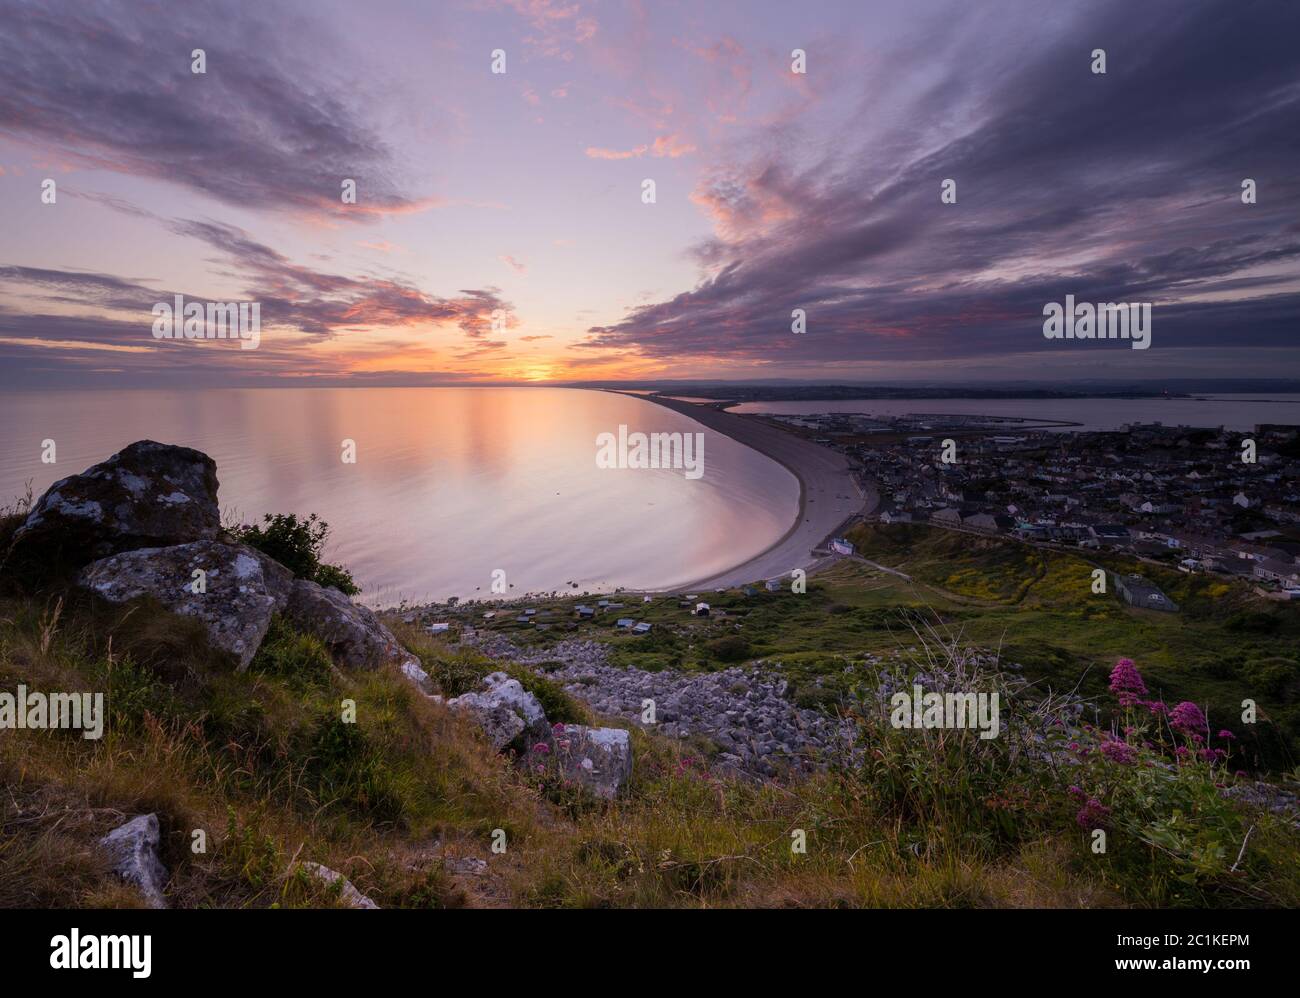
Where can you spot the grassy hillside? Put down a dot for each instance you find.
(262, 764)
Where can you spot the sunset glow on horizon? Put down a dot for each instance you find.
(500, 232)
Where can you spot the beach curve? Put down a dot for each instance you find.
(829, 494)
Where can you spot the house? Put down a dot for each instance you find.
(624, 622)
(584, 612)
(841, 546)
(1272, 570)
(701, 609)
(1110, 533)
(773, 585)
(438, 628)
(1143, 594)
(641, 628)
(983, 522)
(947, 517)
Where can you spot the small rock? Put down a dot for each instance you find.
(465, 867)
(133, 849)
(350, 896)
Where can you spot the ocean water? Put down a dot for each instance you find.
(1233, 412)
(450, 484)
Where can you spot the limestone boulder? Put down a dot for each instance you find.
(234, 596)
(505, 711)
(355, 637)
(599, 759)
(147, 495)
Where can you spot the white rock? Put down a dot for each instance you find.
(133, 849)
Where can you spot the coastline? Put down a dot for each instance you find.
(829, 495)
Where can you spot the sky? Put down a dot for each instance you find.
(501, 231)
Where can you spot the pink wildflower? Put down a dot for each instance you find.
(1126, 682)
(1119, 752)
(1187, 718)
(1093, 814)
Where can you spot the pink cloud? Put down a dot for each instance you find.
(557, 25)
(670, 146)
(595, 152)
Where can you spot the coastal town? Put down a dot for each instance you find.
(1203, 499)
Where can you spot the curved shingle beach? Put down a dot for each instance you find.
(828, 491)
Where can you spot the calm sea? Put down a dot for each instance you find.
(450, 484)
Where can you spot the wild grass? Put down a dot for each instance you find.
(264, 766)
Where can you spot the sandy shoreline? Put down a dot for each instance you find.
(828, 493)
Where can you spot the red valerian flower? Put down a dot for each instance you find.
(1126, 682)
(1093, 814)
(1119, 752)
(1188, 719)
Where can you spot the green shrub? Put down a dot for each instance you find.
(296, 544)
(339, 578)
(454, 673)
(732, 648)
(559, 706)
